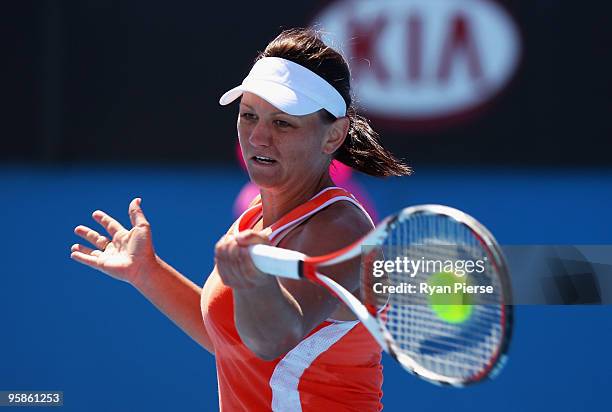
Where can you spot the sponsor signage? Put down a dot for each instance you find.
(423, 60)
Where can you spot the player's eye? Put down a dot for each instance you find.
(282, 124)
(249, 117)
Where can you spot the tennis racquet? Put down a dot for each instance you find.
(451, 327)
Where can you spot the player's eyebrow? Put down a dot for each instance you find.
(252, 108)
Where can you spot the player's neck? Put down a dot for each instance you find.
(276, 204)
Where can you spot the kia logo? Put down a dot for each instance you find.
(421, 60)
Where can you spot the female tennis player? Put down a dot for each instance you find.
(280, 344)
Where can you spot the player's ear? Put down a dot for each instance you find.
(335, 135)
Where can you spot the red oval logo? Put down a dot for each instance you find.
(421, 60)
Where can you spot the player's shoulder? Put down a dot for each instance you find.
(336, 226)
(340, 216)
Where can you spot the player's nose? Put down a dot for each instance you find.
(260, 135)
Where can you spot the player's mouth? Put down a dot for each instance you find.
(263, 160)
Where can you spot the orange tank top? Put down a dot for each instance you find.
(335, 368)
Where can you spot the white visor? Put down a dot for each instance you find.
(289, 87)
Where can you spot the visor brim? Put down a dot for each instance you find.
(278, 95)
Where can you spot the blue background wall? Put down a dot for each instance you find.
(67, 327)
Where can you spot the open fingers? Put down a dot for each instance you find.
(86, 250)
(85, 258)
(92, 236)
(137, 216)
(107, 222)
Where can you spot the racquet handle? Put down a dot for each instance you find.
(277, 261)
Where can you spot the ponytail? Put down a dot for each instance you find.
(363, 151)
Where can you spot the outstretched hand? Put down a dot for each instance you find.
(125, 254)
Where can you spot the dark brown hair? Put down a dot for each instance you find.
(362, 149)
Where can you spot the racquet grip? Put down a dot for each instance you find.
(277, 261)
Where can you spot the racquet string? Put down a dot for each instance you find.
(455, 349)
